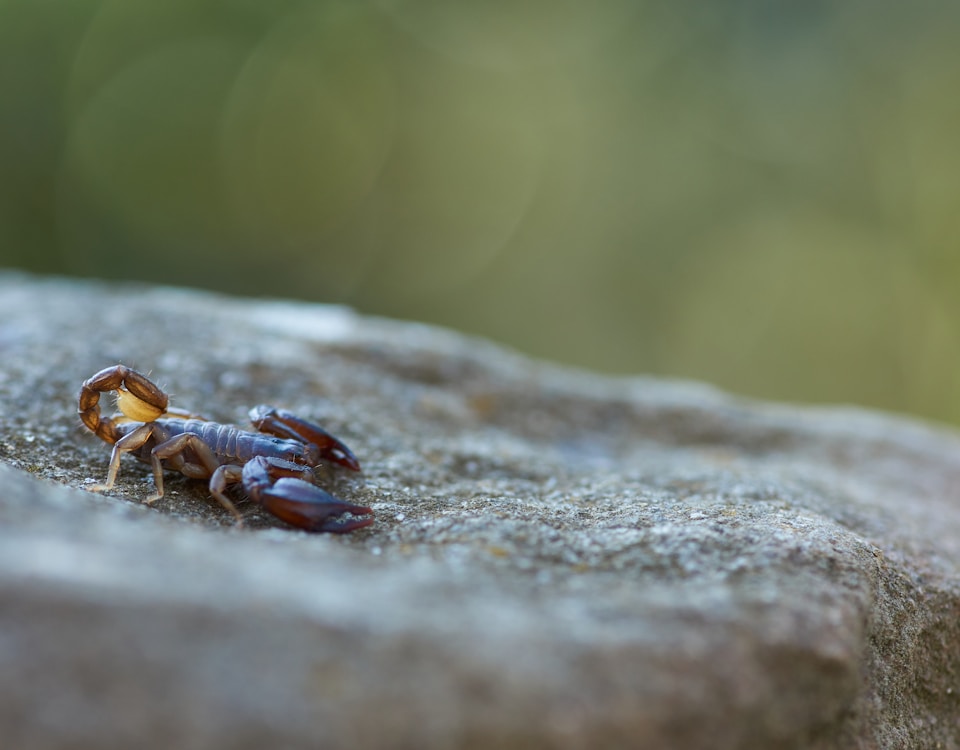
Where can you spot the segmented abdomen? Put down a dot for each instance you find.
(233, 445)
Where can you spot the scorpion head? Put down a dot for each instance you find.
(311, 455)
(335, 452)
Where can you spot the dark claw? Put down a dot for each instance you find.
(285, 490)
(307, 507)
(286, 425)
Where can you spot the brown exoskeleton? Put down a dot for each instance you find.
(274, 464)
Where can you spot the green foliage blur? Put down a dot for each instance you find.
(764, 195)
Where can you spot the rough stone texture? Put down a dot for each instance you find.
(559, 560)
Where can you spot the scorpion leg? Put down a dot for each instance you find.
(174, 451)
(285, 490)
(224, 475)
(127, 444)
(284, 424)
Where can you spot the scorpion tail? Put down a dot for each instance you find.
(308, 507)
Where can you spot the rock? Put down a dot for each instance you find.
(559, 560)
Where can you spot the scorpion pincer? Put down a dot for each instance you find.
(274, 464)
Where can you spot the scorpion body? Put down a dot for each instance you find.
(274, 464)
(230, 444)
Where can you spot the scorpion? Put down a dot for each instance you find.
(274, 464)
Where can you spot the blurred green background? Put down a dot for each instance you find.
(764, 195)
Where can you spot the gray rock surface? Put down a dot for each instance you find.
(560, 559)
